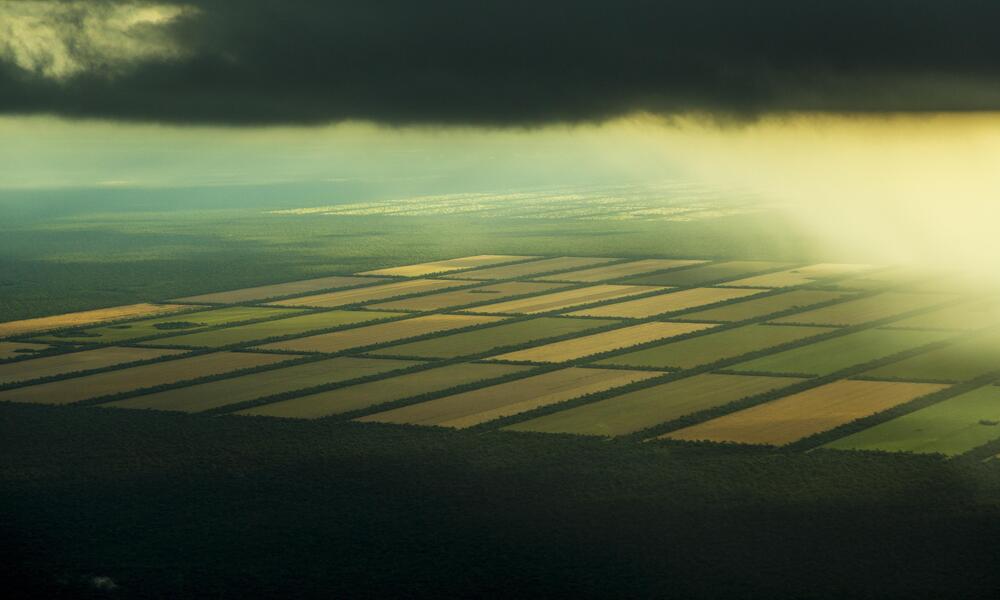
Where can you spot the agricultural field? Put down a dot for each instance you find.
(531, 268)
(828, 356)
(371, 293)
(446, 266)
(566, 299)
(381, 333)
(280, 290)
(505, 399)
(72, 362)
(11, 350)
(665, 303)
(951, 427)
(87, 317)
(458, 298)
(712, 347)
(755, 308)
(966, 316)
(800, 415)
(374, 393)
(235, 390)
(620, 270)
(707, 274)
(598, 343)
(799, 276)
(484, 340)
(866, 310)
(960, 361)
(635, 411)
(97, 385)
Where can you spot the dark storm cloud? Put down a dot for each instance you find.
(516, 62)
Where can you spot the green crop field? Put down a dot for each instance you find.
(865, 310)
(761, 307)
(961, 361)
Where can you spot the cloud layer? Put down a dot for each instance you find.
(493, 62)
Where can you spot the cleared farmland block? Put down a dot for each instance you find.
(712, 347)
(665, 303)
(794, 417)
(281, 327)
(602, 342)
(371, 293)
(373, 393)
(800, 275)
(278, 290)
(961, 361)
(87, 317)
(379, 334)
(534, 267)
(67, 391)
(642, 409)
(503, 400)
(828, 356)
(565, 299)
(961, 317)
(60, 364)
(484, 340)
(866, 310)
(953, 426)
(618, 271)
(444, 266)
(466, 296)
(723, 271)
(194, 321)
(10, 350)
(761, 307)
(214, 394)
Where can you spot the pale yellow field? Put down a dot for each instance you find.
(66, 391)
(967, 316)
(510, 398)
(377, 334)
(865, 310)
(665, 303)
(565, 299)
(87, 317)
(467, 296)
(444, 266)
(366, 294)
(9, 350)
(602, 342)
(291, 288)
(48, 366)
(618, 271)
(794, 417)
(799, 276)
(531, 268)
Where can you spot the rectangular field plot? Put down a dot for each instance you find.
(754, 308)
(565, 299)
(618, 271)
(444, 266)
(642, 409)
(9, 350)
(529, 269)
(373, 393)
(953, 426)
(60, 364)
(800, 415)
(484, 340)
(379, 334)
(278, 290)
(503, 400)
(712, 347)
(87, 317)
(280, 327)
(723, 271)
(605, 341)
(193, 321)
(665, 303)
(960, 361)
(799, 276)
(960, 317)
(371, 293)
(466, 296)
(67, 391)
(865, 310)
(215, 394)
(828, 356)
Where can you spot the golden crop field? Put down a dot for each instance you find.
(59, 364)
(462, 297)
(67, 391)
(531, 268)
(865, 310)
(364, 395)
(486, 404)
(794, 417)
(444, 266)
(800, 275)
(602, 342)
(636, 267)
(370, 293)
(708, 274)
(753, 308)
(215, 394)
(665, 303)
(267, 292)
(87, 317)
(565, 299)
(9, 350)
(378, 334)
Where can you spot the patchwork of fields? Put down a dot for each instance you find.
(846, 357)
